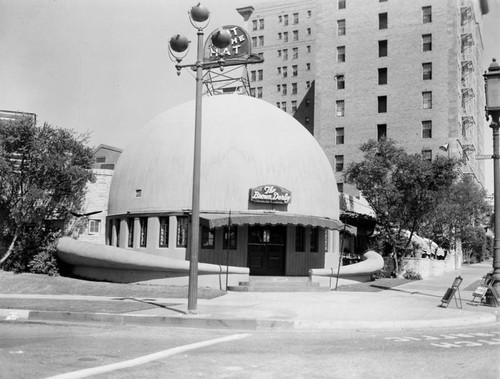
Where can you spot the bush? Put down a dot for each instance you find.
(412, 275)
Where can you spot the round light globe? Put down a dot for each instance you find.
(199, 13)
(179, 43)
(221, 38)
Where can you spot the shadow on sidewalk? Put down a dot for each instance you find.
(410, 292)
(152, 302)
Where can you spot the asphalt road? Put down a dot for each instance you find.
(42, 350)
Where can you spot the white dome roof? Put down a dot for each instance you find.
(246, 143)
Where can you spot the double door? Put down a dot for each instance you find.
(267, 250)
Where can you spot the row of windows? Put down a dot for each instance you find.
(383, 48)
(383, 75)
(283, 89)
(382, 104)
(258, 41)
(382, 132)
(207, 235)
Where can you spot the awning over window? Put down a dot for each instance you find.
(217, 220)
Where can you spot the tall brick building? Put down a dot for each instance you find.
(409, 71)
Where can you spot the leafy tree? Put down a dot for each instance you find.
(43, 173)
(401, 189)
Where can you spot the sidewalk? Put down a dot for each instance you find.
(410, 306)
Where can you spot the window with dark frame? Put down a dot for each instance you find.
(340, 108)
(314, 239)
(300, 238)
(342, 4)
(341, 54)
(295, 18)
(143, 236)
(341, 27)
(382, 48)
(381, 131)
(207, 237)
(382, 21)
(94, 226)
(427, 42)
(426, 14)
(382, 104)
(130, 224)
(427, 100)
(427, 129)
(182, 231)
(340, 81)
(382, 76)
(163, 235)
(427, 71)
(339, 136)
(427, 155)
(339, 163)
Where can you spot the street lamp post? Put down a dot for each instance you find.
(492, 87)
(178, 48)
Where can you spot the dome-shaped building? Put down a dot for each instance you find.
(267, 190)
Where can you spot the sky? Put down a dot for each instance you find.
(102, 66)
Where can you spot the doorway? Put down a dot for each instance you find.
(267, 249)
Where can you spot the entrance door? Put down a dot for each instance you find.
(266, 249)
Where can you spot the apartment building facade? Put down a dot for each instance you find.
(409, 71)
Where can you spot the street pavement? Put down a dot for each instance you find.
(415, 305)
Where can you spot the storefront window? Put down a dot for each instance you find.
(314, 237)
(300, 234)
(164, 224)
(144, 231)
(207, 237)
(182, 231)
(130, 223)
(230, 237)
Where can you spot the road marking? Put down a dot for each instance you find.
(453, 336)
(146, 358)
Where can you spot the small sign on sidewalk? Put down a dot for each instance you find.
(451, 293)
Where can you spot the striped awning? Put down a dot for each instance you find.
(217, 220)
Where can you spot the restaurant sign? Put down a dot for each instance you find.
(238, 51)
(269, 193)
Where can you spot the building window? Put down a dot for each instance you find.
(341, 54)
(295, 53)
(259, 92)
(279, 53)
(308, 66)
(207, 237)
(339, 136)
(285, 20)
(294, 88)
(94, 226)
(295, 70)
(254, 41)
(307, 120)
(295, 18)
(284, 90)
(339, 163)
(260, 74)
(280, 36)
(309, 31)
(340, 108)
(285, 37)
(341, 27)
(340, 81)
(254, 25)
(382, 76)
(280, 19)
(117, 234)
(427, 42)
(295, 35)
(427, 129)
(252, 92)
(427, 71)
(308, 84)
(261, 40)
(100, 160)
(279, 71)
(382, 20)
(382, 104)
(340, 187)
(308, 48)
(261, 24)
(182, 231)
(164, 223)
(283, 106)
(342, 4)
(308, 102)
(285, 54)
(427, 100)
(382, 48)
(381, 131)
(130, 224)
(309, 13)
(294, 106)
(143, 222)
(285, 71)
(426, 14)
(314, 239)
(427, 155)
(300, 238)
(230, 237)
(253, 76)
(278, 104)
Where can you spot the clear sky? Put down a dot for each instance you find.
(102, 65)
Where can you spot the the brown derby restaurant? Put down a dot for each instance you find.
(268, 198)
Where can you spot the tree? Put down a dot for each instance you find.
(43, 173)
(401, 189)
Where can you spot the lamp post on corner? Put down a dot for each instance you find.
(199, 16)
(492, 90)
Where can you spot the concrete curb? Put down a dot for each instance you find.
(198, 321)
